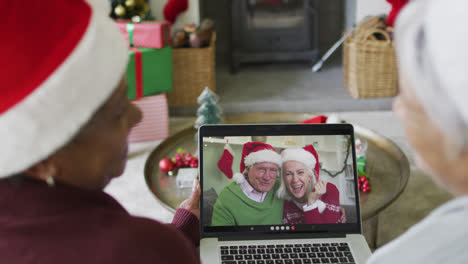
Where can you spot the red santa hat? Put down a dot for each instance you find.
(307, 155)
(256, 152)
(60, 62)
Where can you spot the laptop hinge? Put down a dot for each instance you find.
(280, 236)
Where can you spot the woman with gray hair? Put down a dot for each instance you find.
(308, 199)
(431, 38)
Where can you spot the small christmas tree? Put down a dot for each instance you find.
(209, 111)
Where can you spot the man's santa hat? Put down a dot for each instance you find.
(60, 62)
(256, 152)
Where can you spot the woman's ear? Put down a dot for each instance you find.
(42, 170)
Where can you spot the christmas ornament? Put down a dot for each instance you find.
(361, 162)
(166, 165)
(361, 147)
(119, 11)
(209, 111)
(136, 10)
(130, 3)
(181, 159)
(363, 183)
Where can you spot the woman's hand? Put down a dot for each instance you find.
(193, 202)
(342, 219)
(319, 189)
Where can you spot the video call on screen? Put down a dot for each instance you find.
(225, 202)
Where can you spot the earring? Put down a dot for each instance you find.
(50, 181)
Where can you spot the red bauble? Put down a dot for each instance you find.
(180, 156)
(194, 163)
(179, 163)
(166, 165)
(188, 159)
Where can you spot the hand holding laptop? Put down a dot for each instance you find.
(193, 202)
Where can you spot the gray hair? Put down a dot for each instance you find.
(282, 192)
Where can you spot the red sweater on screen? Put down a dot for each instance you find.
(292, 214)
(63, 224)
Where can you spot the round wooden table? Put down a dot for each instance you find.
(387, 165)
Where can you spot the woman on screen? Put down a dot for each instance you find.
(308, 200)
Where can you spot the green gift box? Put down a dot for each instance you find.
(149, 71)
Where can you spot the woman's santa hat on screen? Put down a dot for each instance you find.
(53, 80)
(306, 155)
(255, 152)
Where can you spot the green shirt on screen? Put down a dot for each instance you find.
(233, 207)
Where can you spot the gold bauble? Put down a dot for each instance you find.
(119, 11)
(130, 3)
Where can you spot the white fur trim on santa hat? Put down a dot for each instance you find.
(50, 117)
(239, 177)
(430, 40)
(300, 155)
(264, 155)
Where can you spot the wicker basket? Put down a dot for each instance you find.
(369, 64)
(193, 70)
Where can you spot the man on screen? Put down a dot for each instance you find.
(251, 199)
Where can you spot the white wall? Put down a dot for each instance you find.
(356, 10)
(371, 7)
(191, 16)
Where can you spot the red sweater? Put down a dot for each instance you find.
(63, 224)
(292, 214)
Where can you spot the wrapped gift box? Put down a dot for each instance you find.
(148, 34)
(149, 72)
(155, 122)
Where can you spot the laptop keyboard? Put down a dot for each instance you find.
(287, 254)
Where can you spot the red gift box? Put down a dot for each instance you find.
(148, 34)
(155, 122)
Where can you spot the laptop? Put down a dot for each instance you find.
(270, 237)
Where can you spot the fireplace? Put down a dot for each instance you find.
(273, 30)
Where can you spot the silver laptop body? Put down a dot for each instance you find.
(233, 244)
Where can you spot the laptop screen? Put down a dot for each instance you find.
(292, 178)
